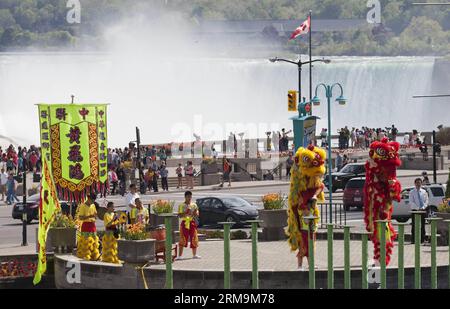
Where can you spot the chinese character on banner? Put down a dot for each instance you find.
(74, 135)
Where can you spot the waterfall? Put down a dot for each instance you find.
(170, 99)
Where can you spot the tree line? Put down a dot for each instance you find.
(405, 30)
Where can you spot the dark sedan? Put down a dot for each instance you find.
(350, 171)
(32, 208)
(230, 209)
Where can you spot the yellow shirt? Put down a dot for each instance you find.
(139, 214)
(188, 210)
(85, 211)
(108, 218)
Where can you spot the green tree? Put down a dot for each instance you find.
(424, 36)
(26, 18)
(6, 18)
(8, 37)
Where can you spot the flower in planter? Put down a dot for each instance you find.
(63, 221)
(445, 206)
(163, 207)
(208, 160)
(274, 201)
(135, 232)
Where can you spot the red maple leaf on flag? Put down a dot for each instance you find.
(304, 28)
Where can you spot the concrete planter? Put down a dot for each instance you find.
(63, 238)
(136, 251)
(273, 218)
(209, 168)
(274, 222)
(442, 227)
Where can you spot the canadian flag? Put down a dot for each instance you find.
(304, 28)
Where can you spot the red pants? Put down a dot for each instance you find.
(188, 235)
(304, 251)
(88, 227)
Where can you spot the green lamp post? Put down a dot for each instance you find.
(342, 101)
(304, 124)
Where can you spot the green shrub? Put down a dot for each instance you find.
(238, 235)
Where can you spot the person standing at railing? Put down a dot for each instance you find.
(418, 199)
(164, 175)
(11, 186)
(227, 167)
(3, 181)
(179, 172)
(189, 172)
(289, 164)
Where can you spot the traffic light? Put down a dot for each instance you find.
(292, 101)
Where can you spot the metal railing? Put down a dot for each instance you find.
(382, 227)
(339, 215)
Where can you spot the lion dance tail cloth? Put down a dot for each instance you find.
(380, 190)
(306, 182)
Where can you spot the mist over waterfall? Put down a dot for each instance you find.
(172, 98)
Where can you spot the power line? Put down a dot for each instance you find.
(431, 3)
(432, 96)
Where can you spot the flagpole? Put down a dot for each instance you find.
(310, 57)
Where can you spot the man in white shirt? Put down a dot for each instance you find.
(130, 198)
(418, 199)
(3, 180)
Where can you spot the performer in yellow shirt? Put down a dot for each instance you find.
(188, 212)
(88, 243)
(139, 214)
(109, 240)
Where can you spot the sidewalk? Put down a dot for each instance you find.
(17, 249)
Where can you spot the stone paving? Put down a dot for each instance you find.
(276, 256)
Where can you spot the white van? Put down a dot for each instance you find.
(402, 210)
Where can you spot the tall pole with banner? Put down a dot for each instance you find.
(74, 161)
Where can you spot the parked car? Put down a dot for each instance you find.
(230, 209)
(436, 194)
(354, 193)
(350, 171)
(33, 208)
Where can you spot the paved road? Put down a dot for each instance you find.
(11, 230)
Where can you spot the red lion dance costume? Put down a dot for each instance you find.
(380, 189)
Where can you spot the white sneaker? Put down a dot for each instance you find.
(179, 258)
(196, 257)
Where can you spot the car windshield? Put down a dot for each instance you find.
(352, 169)
(34, 198)
(356, 183)
(235, 202)
(437, 191)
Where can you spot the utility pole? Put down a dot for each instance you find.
(434, 158)
(138, 142)
(25, 210)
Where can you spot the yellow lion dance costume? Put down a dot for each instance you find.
(305, 190)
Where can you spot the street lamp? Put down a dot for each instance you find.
(299, 64)
(342, 101)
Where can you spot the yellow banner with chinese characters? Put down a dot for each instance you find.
(74, 159)
(74, 139)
